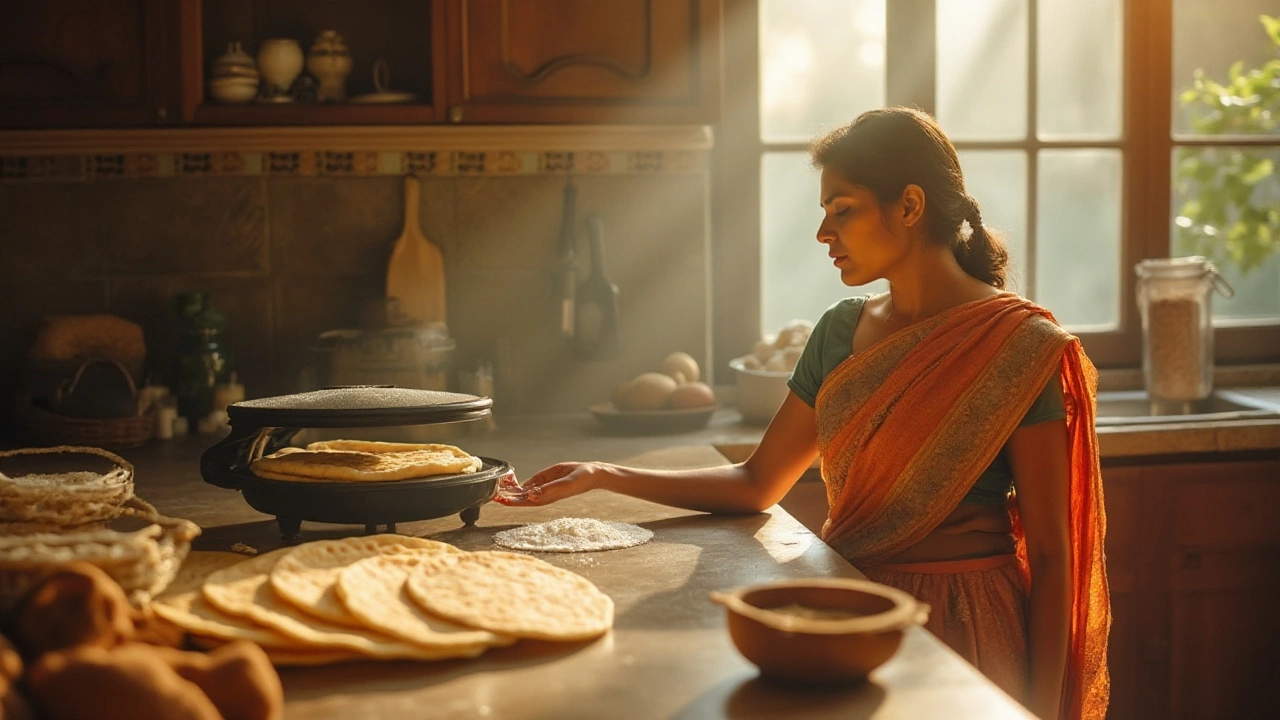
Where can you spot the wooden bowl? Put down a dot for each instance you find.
(821, 631)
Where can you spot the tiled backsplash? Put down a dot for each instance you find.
(340, 163)
(294, 243)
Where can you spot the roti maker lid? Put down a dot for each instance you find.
(358, 406)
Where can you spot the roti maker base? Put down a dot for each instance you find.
(263, 426)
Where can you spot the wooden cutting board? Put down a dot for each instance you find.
(415, 274)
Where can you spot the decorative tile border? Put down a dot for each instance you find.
(102, 154)
(337, 163)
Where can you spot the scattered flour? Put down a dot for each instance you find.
(573, 535)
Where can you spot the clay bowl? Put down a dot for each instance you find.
(822, 631)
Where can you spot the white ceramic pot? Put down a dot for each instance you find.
(233, 90)
(330, 62)
(280, 61)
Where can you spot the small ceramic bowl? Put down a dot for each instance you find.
(760, 392)
(233, 90)
(821, 631)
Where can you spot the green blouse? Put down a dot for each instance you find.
(831, 343)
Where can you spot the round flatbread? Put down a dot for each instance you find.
(378, 446)
(515, 595)
(305, 576)
(196, 568)
(191, 612)
(373, 591)
(183, 605)
(573, 535)
(357, 466)
(244, 590)
(285, 657)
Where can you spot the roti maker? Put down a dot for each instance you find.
(265, 425)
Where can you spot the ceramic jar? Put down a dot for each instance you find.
(329, 61)
(280, 61)
(233, 76)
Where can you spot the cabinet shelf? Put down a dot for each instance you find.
(314, 114)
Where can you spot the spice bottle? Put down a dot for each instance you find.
(203, 360)
(1174, 299)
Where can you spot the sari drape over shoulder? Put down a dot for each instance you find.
(906, 427)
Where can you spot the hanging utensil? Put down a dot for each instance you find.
(415, 274)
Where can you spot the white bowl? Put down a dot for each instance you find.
(760, 392)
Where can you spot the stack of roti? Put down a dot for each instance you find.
(364, 461)
(380, 597)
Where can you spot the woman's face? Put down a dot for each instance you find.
(860, 239)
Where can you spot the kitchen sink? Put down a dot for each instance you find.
(1133, 407)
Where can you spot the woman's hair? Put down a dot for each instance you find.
(886, 150)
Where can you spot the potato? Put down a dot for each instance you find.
(791, 356)
(692, 395)
(648, 391)
(793, 333)
(762, 350)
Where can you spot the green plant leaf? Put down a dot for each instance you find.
(1226, 213)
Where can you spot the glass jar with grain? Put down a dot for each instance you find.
(1174, 299)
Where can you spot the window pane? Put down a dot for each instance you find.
(982, 69)
(797, 279)
(998, 180)
(1209, 37)
(1078, 236)
(1079, 64)
(1226, 206)
(821, 64)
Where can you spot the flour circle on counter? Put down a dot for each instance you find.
(573, 535)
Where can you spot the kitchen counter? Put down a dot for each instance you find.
(668, 655)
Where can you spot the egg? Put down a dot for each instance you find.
(681, 366)
(648, 391)
(692, 395)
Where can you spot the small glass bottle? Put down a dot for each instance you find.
(1174, 299)
(203, 360)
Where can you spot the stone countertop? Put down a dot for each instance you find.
(1119, 442)
(1115, 442)
(668, 656)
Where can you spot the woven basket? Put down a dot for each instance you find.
(142, 551)
(44, 422)
(63, 501)
(115, 433)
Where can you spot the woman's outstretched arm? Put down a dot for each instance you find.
(1038, 455)
(787, 449)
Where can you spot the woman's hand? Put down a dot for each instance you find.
(547, 486)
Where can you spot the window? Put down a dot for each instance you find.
(1061, 113)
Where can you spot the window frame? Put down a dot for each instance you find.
(1146, 141)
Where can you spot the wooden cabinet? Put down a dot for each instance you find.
(1194, 556)
(622, 61)
(93, 63)
(403, 34)
(88, 63)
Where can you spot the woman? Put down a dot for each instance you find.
(955, 423)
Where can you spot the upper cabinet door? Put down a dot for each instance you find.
(87, 63)
(570, 61)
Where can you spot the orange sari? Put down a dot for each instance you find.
(961, 382)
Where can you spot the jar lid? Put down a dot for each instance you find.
(1181, 267)
(1190, 267)
(358, 406)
